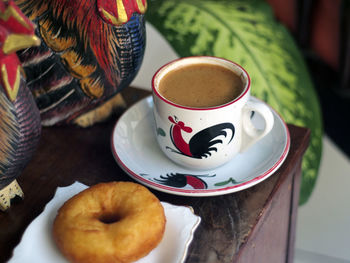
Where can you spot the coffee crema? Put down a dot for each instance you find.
(200, 85)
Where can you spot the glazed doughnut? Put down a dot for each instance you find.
(115, 222)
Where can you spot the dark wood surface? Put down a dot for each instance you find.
(238, 227)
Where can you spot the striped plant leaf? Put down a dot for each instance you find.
(247, 33)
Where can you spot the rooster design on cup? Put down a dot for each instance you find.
(202, 144)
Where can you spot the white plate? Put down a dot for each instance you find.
(135, 149)
(37, 245)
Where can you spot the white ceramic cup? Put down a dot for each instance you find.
(206, 138)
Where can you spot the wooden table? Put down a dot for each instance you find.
(254, 225)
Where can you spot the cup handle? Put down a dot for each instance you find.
(250, 134)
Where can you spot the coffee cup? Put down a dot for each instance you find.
(202, 111)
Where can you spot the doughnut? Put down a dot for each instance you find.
(115, 222)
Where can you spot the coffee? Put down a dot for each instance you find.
(200, 85)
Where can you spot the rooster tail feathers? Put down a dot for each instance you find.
(201, 144)
(230, 127)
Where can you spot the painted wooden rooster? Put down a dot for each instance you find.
(19, 116)
(91, 50)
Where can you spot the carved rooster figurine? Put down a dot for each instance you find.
(91, 50)
(19, 116)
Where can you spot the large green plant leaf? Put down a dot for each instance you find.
(247, 32)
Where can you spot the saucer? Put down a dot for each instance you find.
(135, 149)
(37, 244)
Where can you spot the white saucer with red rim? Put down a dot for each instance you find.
(135, 149)
(37, 244)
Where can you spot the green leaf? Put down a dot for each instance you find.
(246, 32)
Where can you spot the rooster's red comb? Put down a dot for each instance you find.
(12, 18)
(117, 12)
